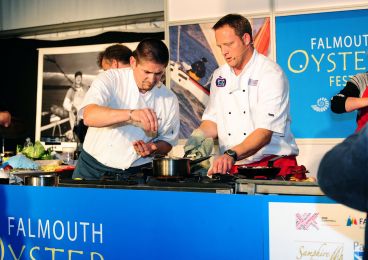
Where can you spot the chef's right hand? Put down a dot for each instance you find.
(145, 118)
(222, 165)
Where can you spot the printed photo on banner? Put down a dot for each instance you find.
(64, 76)
(194, 57)
(319, 52)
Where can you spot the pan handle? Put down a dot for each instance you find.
(158, 156)
(200, 159)
(271, 161)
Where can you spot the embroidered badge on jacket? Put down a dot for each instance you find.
(220, 82)
(252, 82)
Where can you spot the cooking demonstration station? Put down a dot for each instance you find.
(95, 219)
(168, 208)
(183, 130)
(166, 174)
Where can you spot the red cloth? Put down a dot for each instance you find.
(362, 117)
(288, 165)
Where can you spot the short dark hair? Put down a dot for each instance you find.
(151, 49)
(117, 52)
(239, 23)
(78, 73)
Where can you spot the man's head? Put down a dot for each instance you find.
(148, 62)
(114, 56)
(78, 77)
(233, 34)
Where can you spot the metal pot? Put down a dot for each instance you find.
(42, 180)
(174, 167)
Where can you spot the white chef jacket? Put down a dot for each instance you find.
(256, 98)
(112, 146)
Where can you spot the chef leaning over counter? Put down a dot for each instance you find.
(131, 116)
(249, 105)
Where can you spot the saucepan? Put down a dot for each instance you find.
(168, 167)
(42, 180)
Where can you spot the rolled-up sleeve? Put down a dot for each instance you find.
(98, 93)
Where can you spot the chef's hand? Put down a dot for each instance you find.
(194, 141)
(221, 164)
(145, 118)
(144, 149)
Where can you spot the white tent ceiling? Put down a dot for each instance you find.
(55, 19)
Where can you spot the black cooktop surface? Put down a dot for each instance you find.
(140, 182)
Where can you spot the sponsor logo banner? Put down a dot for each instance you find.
(314, 231)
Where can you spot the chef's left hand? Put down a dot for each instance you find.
(221, 164)
(144, 149)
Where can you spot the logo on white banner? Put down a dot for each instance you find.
(353, 221)
(306, 221)
(307, 250)
(322, 105)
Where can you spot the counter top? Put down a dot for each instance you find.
(252, 187)
(163, 185)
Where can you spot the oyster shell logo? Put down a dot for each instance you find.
(322, 105)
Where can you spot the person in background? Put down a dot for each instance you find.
(5, 118)
(343, 174)
(130, 116)
(248, 108)
(198, 69)
(13, 128)
(73, 100)
(354, 96)
(114, 57)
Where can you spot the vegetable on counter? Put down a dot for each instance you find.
(37, 151)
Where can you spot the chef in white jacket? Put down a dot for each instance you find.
(131, 116)
(248, 109)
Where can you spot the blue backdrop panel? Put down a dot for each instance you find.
(129, 224)
(319, 52)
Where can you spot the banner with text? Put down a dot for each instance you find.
(319, 52)
(52, 223)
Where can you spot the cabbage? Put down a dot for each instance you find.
(28, 151)
(34, 152)
(39, 150)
